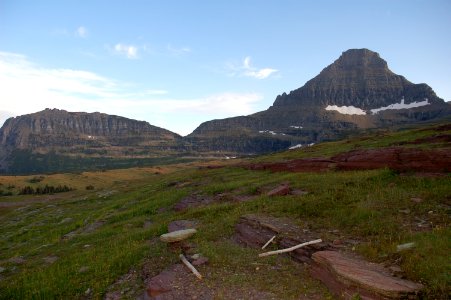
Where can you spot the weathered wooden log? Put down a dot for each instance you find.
(177, 236)
(290, 249)
(190, 266)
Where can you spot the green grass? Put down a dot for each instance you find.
(372, 207)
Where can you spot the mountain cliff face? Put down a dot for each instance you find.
(78, 136)
(61, 128)
(357, 91)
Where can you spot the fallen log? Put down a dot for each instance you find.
(190, 266)
(290, 249)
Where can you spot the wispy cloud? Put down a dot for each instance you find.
(246, 69)
(129, 51)
(28, 87)
(178, 51)
(81, 32)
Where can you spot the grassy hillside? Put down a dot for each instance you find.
(82, 243)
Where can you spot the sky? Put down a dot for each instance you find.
(176, 64)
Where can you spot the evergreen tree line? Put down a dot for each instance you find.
(47, 189)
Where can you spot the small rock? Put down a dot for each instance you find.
(430, 212)
(195, 256)
(2, 269)
(182, 224)
(405, 211)
(88, 292)
(416, 200)
(395, 270)
(281, 190)
(86, 246)
(50, 259)
(66, 220)
(162, 210)
(337, 242)
(83, 269)
(200, 261)
(188, 248)
(405, 246)
(147, 224)
(162, 283)
(17, 260)
(178, 235)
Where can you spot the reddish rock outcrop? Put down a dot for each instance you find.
(396, 158)
(346, 276)
(256, 230)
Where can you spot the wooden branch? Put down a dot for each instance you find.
(190, 266)
(268, 242)
(289, 249)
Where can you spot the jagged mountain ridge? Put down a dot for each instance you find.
(358, 81)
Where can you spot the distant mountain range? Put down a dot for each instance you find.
(356, 92)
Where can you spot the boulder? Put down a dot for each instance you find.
(177, 236)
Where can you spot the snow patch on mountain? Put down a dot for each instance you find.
(347, 110)
(401, 105)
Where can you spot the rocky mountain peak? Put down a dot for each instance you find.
(359, 78)
(360, 58)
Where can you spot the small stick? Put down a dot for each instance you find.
(290, 249)
(190, 266)
(268, 242)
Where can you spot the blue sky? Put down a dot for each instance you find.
(176, 64)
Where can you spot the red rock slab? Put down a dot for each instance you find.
(162, 283)
(255, 230)
(346, 276)
(281, 190)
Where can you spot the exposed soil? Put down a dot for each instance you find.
(396, 158)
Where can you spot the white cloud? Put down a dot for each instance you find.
(178, 51)
(81, 32)
(247, 70)
(129, 51)
(28, 88)
(219, 105)
(260, 74)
